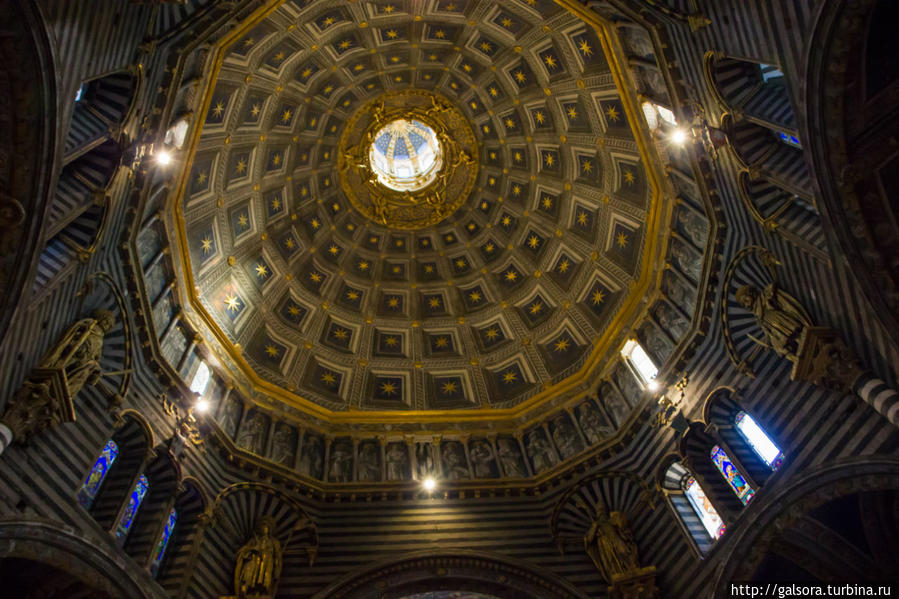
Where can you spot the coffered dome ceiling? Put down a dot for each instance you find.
(525, 287)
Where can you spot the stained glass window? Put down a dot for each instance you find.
(759, 440)
(163, 542)
(406, 155)
(789, 139)
(730, 473)
(95, 477)
(134, 501)
(707, 513)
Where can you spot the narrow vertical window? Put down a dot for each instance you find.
(134, 501)
(95, 477)
(730, 473)
(760, 442)
(640, 362)
(163, 542)
(703, 507)
(201, 379)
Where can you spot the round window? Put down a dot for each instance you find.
(405, 155)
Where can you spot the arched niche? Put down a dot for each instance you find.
(134, 439)
(234, 516)
(164, 476)
(174, 568)
(56, 554)
(452, 570)
(835, 522)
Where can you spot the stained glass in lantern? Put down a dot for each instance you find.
(760, 442)
(97, 475)
(703, 507)
(730, 473)
(163, 542)
(134, 501)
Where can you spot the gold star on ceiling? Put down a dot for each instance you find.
(550, 61)
(392, 34)
(241, 166)
(345, 44)
(390, 341)
(563, 266)
(276, 204)
(279, 56)
(315, 277)
(276, 159)
(286, 115)
(341, 334)
(549, 159)
(511, 276)
(520, 77)
(474, 296)
(572, 112)
(585, 48)
(486, 46)
(219, 109)
(622, 240)
(539, 117)
(206, 244)
(629, 177)
(333, 250)
(598, 297)
(561, 345)
(440, 34)
(507, 22)
(393, 302)
(272, 351)
(201, 178)
(489, 248)
(460, 263)
(547, 202)
(441, 342)
(293, 310)
(352, 295)
(243, 221)
(434, 302)
(510, 123)
(587, 166)
(510, 376)
(255, 110)
(506, 221)
(289, 243)
(328, 378)
(314, 223)
(388, 388)
(491, 333)
(261, 271)
(536, 308)
(612, 113)
(232, 302)
(533, 242)
(582, 219)
(449, 387)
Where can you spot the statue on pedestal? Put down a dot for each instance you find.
(610, 544)
(780, 316)
(45, 399)
(258, 563)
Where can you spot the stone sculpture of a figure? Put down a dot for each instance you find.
(510, 457)
(539, 450)
(454, 461)
(282, 445)
(368, 467)
(780, 316)
(78, 352)
(397, 461)
(610, 544)
(481, 458)
(426, 460)
(591, 423)
(311, 459)
(340, 468)
(253, 434)
(258, 562)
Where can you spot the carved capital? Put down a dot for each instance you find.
(41, 403)
(825, 359)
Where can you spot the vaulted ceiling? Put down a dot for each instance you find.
(527, 289)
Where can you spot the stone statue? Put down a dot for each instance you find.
(78, 352)
(426, 460)
(368, 467)
(311, 460)
(658, 346)
(510, 457)
(565, 437)
(258, 563)
(614, 405)
(694, 226)
(670, 320)
(282, 445)
(454, 461)
(230, 417)
(481, 455)
(539, 451)
(341, 466)
(689, 264)
(591, 423)
(397, 461)
(780, 316)
(610, 544)
(252, 436)
(46, 397)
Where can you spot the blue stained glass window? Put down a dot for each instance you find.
(789, 139)
(730, 473)
(760, 442)
(163, 542)
(134, 501)
(703, 507)
(95, 477)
